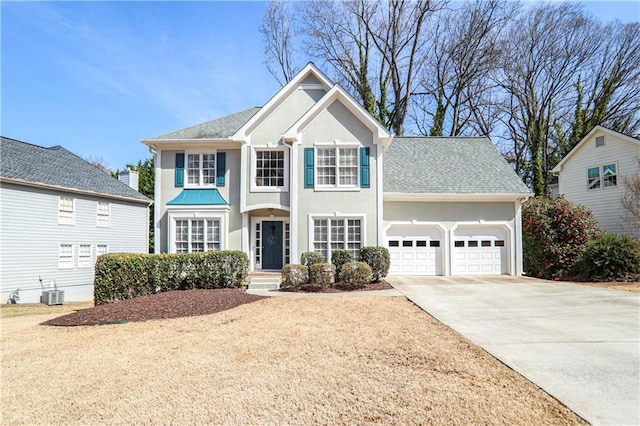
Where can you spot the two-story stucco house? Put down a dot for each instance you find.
(592, 174)
(57, 214)
(312, 170)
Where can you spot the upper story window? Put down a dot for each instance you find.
(66, 210)
(604, 176)
(337, 166)
(201, 169)
(103, 214)
(270, 169)
(599, 141)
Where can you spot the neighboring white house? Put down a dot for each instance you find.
(312, 170)
(592, 174)
(57, 214)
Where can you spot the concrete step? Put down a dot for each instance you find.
(264, 283)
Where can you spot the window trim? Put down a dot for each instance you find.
(337, 145)
(253, 187)
(342, 216)
(108, 215)
(67, 264)
(196, 215)
(84, 261)
(96, 254)
(64, 220)
(600, 168)
(200, 153)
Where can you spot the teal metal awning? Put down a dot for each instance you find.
(198, 197)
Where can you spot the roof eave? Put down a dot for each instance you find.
(456, 197)
(32, 184)
(222, 142)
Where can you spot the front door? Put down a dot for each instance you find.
(272, 245)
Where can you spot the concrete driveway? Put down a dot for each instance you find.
(580, 344)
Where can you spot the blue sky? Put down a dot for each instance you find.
(97, 77)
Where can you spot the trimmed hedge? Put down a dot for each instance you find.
(340, 257)
(611, 257)
(294, 276)
(355, 275)
(378, 260)
(121, 276)
(323, 274)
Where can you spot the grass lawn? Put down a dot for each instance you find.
(630, 287)
(24, 309)
(275, 361)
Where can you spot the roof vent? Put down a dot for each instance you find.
(599, 141)
(129, 178)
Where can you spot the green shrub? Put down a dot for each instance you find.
(555, 232)
(323, 274)
(311, 258)
(294, 276)
(378, 260)
(127, 275)
(611, 257)
(340, 257)
(355, 275)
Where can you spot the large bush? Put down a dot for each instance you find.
(611, 257)
(355, 275)
(340, 257)
(122, 276)
(323, 274)
(378, 260)
(555, 233)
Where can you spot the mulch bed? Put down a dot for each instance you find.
(172, 304)
(382, 285)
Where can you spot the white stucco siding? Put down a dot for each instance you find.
(270, 130)
(605, 203)
(448, 212)
(337, 123)
(30, 239)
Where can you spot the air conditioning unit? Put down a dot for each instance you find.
(53, 297)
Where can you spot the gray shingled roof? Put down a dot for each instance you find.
(222, 127)
(59, 167)
(448, 166)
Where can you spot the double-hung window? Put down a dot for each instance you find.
(65, 256)
(103, 214)
(197, 235)
(201, 169)
(270, 170)
(84, 256)
(604, 176)
(337, 233)
(337, 166)
(66, 211)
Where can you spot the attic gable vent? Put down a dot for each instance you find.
(599, 141)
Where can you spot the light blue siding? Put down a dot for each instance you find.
(30, 237)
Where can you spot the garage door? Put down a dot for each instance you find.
(415, 251)
(479, 252)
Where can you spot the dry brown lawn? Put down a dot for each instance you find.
(275, 361)
(22, 309)
(630, 287)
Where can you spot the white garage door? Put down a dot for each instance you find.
(414, 251)
(479, 252)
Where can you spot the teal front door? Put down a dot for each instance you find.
(271, 245)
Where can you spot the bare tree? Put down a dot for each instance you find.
(456, 92)
(631, 200)
(542, 51)
(278, 32)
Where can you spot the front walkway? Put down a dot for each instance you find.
(580, 344)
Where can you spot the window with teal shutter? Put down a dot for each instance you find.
(308, 167)
(221, 168)
(365, 173)
(179, 179)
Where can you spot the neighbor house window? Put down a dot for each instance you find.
(197, 235)
(104, 214)
(605, 176)
(65, 256)
(201, 169)
(101, 249)
(270, 168)
(66, 215)
(337, 233)
(337, 166)
(84, 256)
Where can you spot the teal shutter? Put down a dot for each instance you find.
(308, 167)
(221, 168)
(179, 180)
(365, 171)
